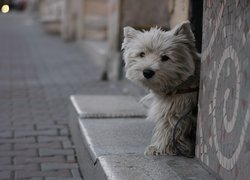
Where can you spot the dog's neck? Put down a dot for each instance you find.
(190, 85)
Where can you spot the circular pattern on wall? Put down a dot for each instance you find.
(228, 162)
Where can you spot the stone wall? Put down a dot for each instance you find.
(223, 140)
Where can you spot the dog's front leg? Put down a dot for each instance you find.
(162, 140)
(161, 143)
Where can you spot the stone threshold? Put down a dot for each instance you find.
(110, 134)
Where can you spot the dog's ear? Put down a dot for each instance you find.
(129, 34)
(184, 29)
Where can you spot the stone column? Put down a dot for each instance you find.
(80, 20)
(69, 21)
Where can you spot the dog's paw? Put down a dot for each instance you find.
(153, 150)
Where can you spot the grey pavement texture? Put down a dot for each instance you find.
(38, 73)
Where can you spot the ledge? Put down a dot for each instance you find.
(108, 106)
(112, 148)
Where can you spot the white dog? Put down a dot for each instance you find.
(167, 63)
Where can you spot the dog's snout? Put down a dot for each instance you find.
(148, 73)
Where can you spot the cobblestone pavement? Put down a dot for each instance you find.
(38, 73)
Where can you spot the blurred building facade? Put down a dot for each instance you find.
(98, 24)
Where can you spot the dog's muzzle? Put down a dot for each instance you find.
(148, 73)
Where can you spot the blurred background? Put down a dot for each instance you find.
(97, 25)
(7, 5)
(51, 49)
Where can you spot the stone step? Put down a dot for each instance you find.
(110, 134)
(108, 106)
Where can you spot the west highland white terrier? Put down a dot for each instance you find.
(167, 63)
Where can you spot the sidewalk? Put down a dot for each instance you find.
(38, 73)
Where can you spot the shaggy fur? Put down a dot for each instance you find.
(165, 62)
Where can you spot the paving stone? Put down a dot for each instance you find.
(35, 133)
(18, 122)
(50, 126)
(63, 122)
(36, 178)
(10, 128)
(5, 174)
(4, 123)
(5, 134)
(26, 160)
(28, 174)
(46, 122)
(71, 158)
(53, 178)
(64, 132)
(51, 138)
(5, 160)
(67, 144)
(37, 145)
(19, 167)
(18, 140)
(50, 152)
(57, 166)
(5, 147)
(28, 152)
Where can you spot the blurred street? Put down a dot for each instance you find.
(38, 73)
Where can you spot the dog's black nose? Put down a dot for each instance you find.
(148, 73)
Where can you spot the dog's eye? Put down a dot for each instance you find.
(142, 54)
(164, 58)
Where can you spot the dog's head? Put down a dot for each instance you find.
(159, 59)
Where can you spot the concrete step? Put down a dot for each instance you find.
(108, 106)
(110, 134)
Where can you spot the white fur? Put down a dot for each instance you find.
(166, 107)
